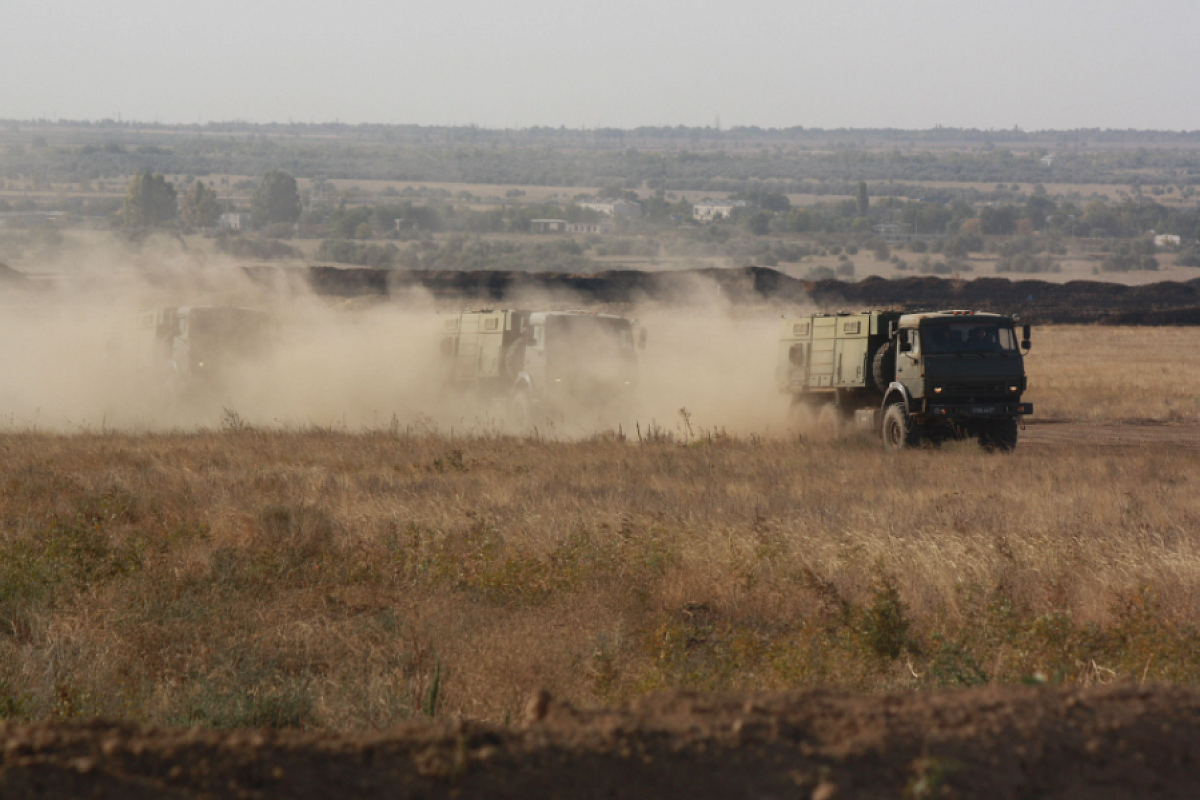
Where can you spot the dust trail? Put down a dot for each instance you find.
(350, 364)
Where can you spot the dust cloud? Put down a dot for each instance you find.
(74, 358)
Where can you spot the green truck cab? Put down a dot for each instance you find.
(926, 376)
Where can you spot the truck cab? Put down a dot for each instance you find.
(193, 353)
(580, 357)
(959, 372)
(548, 360)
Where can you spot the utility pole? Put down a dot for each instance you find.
(662, 186)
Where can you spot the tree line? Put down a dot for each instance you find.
(153, 202)
(513, 160)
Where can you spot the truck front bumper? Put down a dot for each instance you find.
(981, 410)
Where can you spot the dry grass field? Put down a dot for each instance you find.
(1096, 373)
(352, 580)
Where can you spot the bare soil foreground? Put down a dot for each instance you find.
(1023, 742)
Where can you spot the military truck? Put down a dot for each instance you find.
(909, 377)
(190, 352)
(541, 362)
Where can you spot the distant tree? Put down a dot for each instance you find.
(1038, 207)
(757, 222)
(149, 201)
(998, 220)
(862, 201)
(1189, 256)
(347, 221)
(276, 199)
(768, 201)
(1101, 219)
(199, 207)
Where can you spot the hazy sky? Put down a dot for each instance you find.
(619, 63)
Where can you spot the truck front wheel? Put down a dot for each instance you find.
(899, 433)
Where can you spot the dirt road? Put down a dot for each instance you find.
(1056, 434)
(1023, 742)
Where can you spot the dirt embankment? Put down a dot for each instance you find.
(1108, 742)
(1165, 303)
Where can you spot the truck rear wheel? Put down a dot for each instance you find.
(898, 431)
(520, 410)
(514, 360)
(999, 435)
(829, 422)
(883, 366)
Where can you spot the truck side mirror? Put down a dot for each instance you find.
(1025, 343)
(641, 341)
(796, 355)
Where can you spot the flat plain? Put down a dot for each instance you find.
(352, 580)
(439, 611)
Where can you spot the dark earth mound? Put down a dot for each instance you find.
(1015, 742)
(1165, 303)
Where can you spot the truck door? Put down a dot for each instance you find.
(535, 355)
(466, 367)
(181, 348)
(909, 367)
(821, 353)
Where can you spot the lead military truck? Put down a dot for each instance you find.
(541, 362)
(909, 377)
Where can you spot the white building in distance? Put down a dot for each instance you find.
(234, 221)
(562, 226)
(614, 208)
(708, 210)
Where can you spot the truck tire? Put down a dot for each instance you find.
(883, 366)
(898, 431)
(514, 360)
(829, 423)
(520, 410)
(799, 413)
(999, 435)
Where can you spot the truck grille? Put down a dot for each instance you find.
(973, 392)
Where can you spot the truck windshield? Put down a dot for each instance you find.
(968, 337)
(231, 329)
(588, 344)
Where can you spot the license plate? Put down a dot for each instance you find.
(983, 410)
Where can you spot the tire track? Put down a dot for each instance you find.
(1110, 435)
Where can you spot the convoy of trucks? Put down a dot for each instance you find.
(908, 378)
(926, 376)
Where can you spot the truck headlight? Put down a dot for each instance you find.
(937, 390)
(1014, 388)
